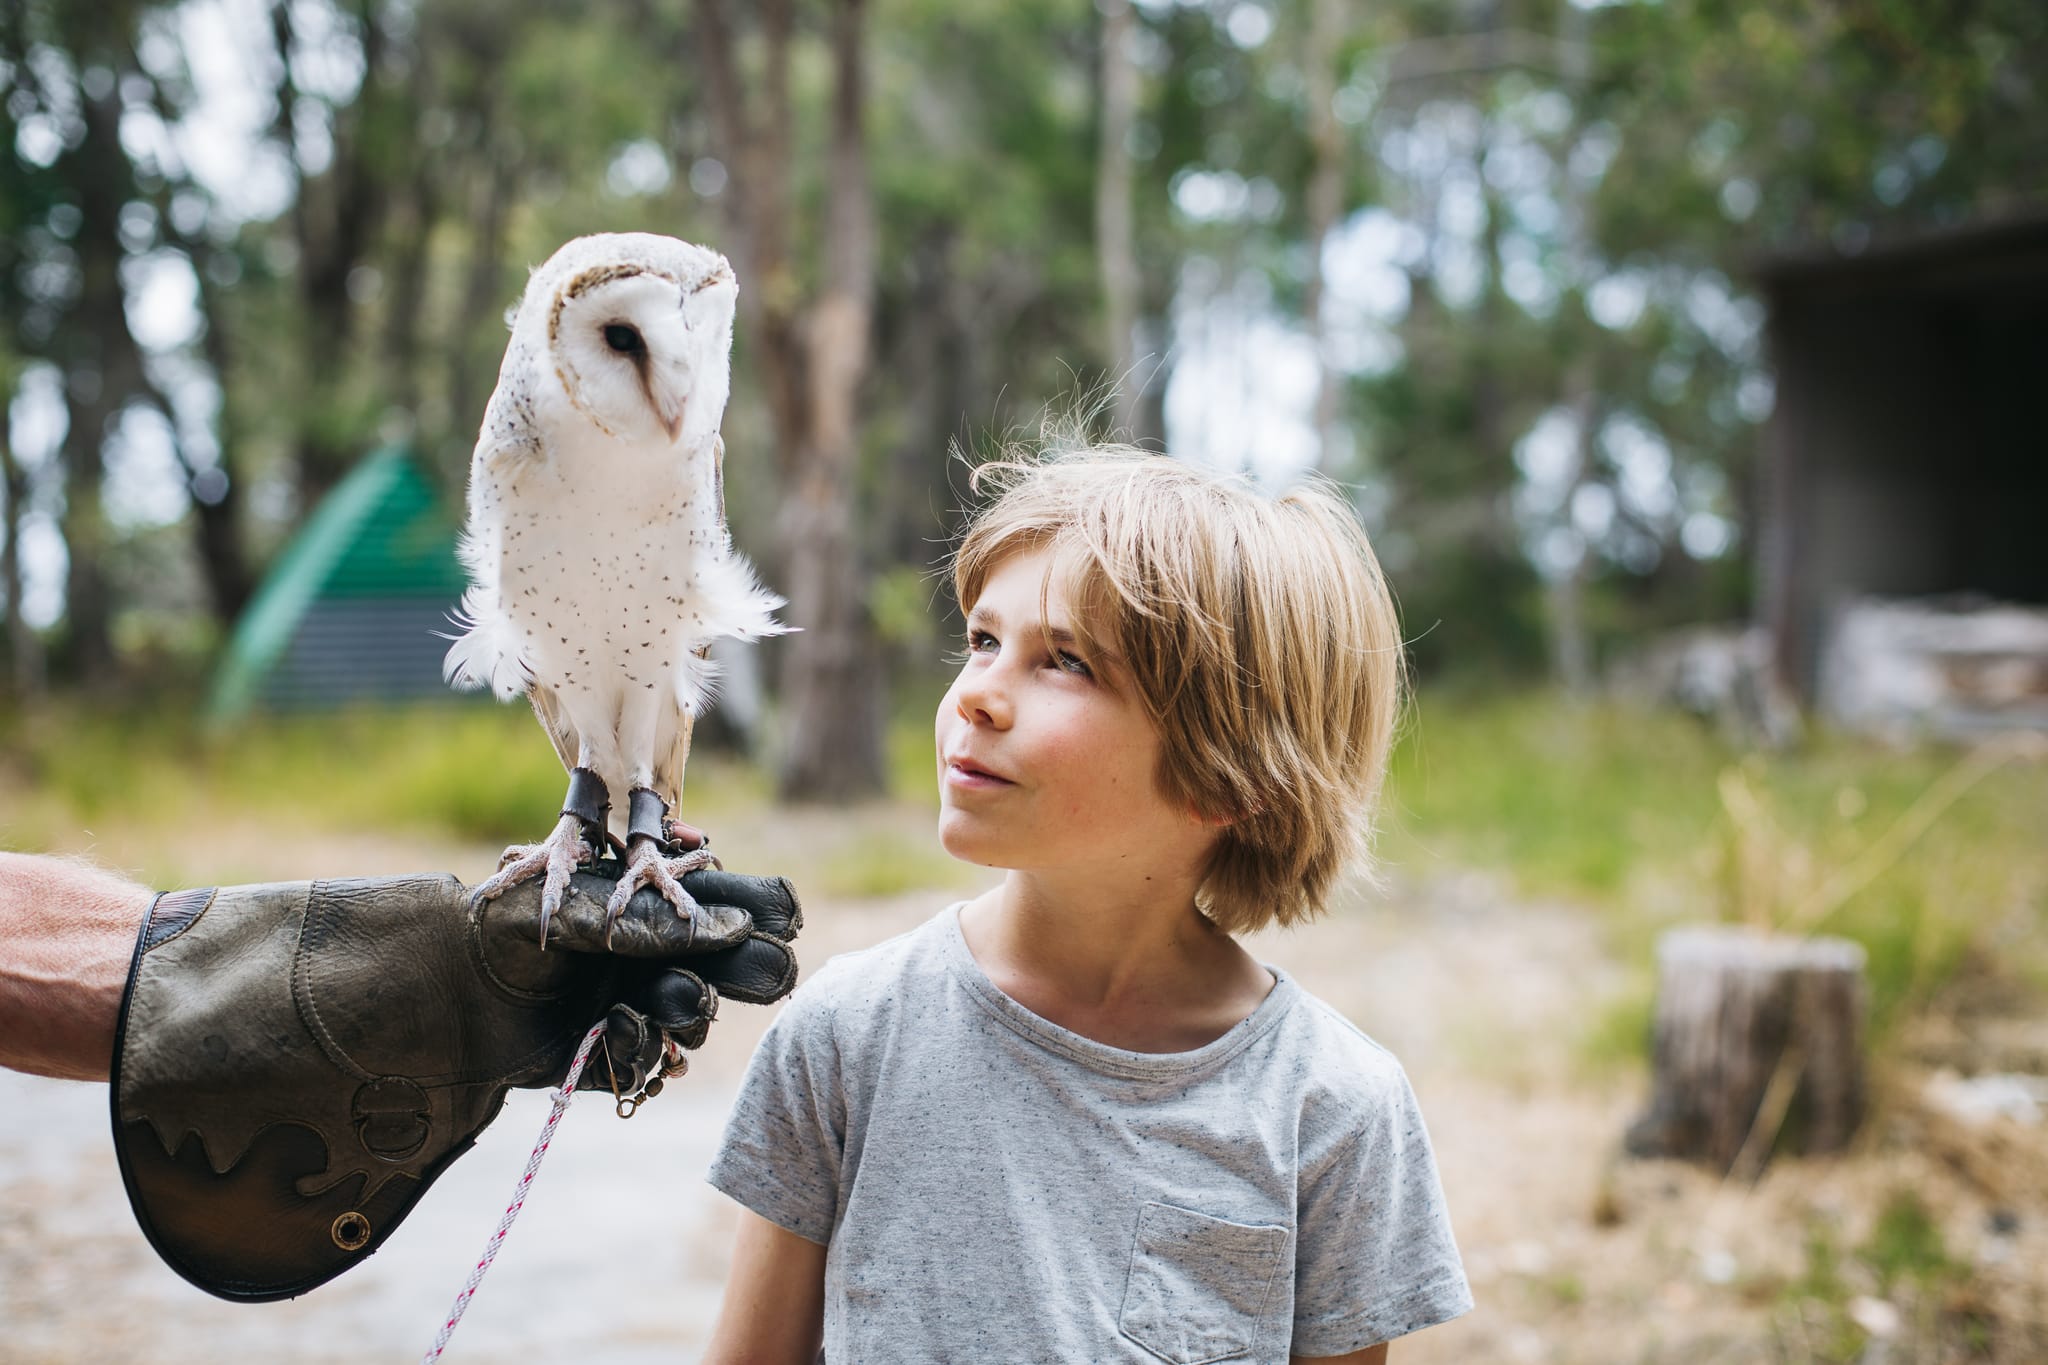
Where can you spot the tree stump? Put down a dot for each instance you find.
(1758, 1048)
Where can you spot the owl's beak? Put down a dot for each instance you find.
(668, 405)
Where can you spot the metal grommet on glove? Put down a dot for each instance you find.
(351, 1231)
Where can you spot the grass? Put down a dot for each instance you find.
(1565, 799)
(1651, 818)
(1646, 817)
(1906, 1244)
(456, 771)
(465, 770)
(1903, 1260)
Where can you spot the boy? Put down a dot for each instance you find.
(1073, 1120)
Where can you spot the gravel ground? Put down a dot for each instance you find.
(622, 1249)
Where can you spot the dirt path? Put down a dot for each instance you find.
(1574, 1258)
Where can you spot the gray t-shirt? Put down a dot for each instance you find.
(995, 1188)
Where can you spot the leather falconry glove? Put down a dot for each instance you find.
(297, 1062)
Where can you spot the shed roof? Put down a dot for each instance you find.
(1982, 254)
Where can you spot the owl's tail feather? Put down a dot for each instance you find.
(486, 654)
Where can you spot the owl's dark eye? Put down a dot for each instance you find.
(623, 339)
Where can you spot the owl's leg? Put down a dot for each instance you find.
(648, 862)
(580, 829)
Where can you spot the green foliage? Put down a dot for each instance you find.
(1917, 116)
(1567, 1289)
(1551, 149)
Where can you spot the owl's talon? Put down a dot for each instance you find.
(647, 865)
(554, 859)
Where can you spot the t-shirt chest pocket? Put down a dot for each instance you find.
(1198, 1286)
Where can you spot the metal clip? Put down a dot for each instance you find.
(627, 1106)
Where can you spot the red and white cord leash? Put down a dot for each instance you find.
(540, 1149)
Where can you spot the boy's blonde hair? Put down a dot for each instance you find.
(1259, 634)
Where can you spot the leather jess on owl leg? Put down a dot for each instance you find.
(647, 859)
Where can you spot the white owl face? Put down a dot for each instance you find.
(645, 353)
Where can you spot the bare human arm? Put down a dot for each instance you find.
(67, 936)
(1371, 1355)
(774, 1309)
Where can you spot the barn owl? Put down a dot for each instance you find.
(598, 559)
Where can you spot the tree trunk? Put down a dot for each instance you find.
(1323, 204)
(475, 374)
(1571, 650)
(757, 152)
(830, 670)
(217, 510)
(97, 342)
(924, 358)
(1758, 1048)
(24, 651)
(812, 362)
(413, 221)
(335, 217)
(1571, 653)
(1113, 244)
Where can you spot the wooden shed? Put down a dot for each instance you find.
(1907, 457)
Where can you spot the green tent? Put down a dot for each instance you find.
(357, 607)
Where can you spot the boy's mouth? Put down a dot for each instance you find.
(967, 773)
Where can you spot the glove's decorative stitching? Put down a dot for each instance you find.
(481, 960)
(312, 935)
(393, 1118)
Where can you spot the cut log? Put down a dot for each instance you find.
(1758, 1048)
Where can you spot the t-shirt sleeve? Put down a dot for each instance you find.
(783, 1146)
(1374, 1254)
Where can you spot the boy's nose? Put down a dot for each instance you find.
(980, 701)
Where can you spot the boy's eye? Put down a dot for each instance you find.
(1072, 663)
(980, 641)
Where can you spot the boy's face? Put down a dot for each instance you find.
(1041, 766)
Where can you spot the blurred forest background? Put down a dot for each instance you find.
(1483, 261)
(1493, 265)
